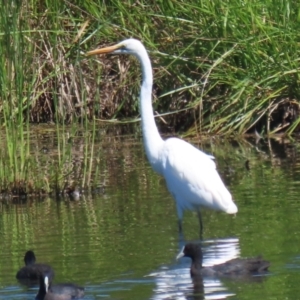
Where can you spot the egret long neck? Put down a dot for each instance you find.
(152, 139)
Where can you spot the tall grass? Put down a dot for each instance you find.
(225, 67)
(231, 66)
(14, 62)
(35, 81)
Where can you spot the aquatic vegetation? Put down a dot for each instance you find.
(231, 66)
(220, 67)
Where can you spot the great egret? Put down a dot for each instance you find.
(191, 175)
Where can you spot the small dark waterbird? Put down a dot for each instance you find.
(32, 270)
(190, 174)
(234, 268)
(63, 291)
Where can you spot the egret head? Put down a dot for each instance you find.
(129, 46)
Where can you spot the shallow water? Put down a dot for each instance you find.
(121, 241)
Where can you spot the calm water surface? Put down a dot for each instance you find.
(121, 241)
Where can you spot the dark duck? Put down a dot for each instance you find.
(32, 270)
(63, 291)
(237, 267)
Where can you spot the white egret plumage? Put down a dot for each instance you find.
(190, 174)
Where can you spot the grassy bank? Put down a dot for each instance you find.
(233, 65)
(221, 67)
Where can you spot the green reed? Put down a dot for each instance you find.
(33, 88)
(14, 100)
(225, 67)
(232, 64)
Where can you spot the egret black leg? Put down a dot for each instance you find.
(180, 225)
(200, 222)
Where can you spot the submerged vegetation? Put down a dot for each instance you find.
(220, 67)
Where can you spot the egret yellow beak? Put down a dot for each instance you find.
(104, 50)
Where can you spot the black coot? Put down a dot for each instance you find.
(33, 271)
(65, 291)
(232, 268)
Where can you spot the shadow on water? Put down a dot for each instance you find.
(121, 243)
